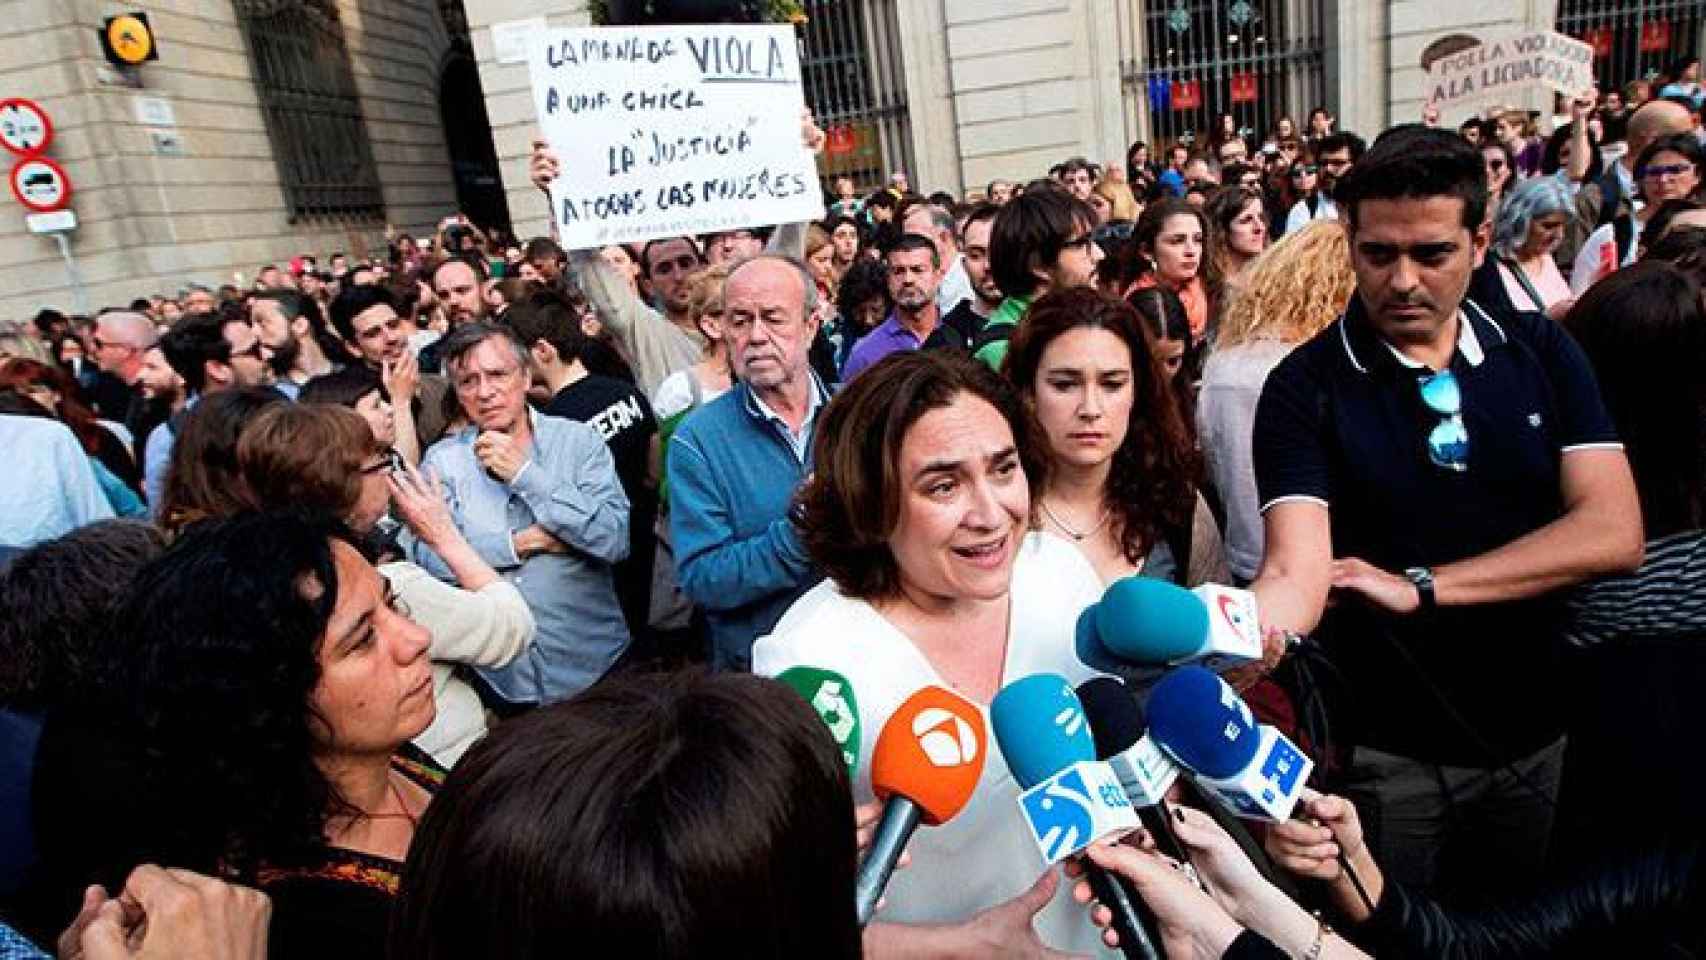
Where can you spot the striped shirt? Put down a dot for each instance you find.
(1666, 597)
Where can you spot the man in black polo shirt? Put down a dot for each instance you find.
(1445, 472)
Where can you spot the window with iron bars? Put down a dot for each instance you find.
(313, 111)
(1634, 39)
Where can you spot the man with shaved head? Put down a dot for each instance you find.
(735, 463)
(119, 340)
(1609, 199)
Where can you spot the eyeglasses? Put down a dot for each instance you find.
(683, 263)
(390, 461)
(1495, 164)
(1666, 170)
(1448, 441)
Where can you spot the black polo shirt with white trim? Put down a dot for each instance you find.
(1341, 422)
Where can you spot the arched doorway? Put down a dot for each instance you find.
(468, 133)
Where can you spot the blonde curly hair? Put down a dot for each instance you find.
(1293, 290)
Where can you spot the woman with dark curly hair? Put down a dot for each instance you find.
(1123, 471)
(920, 513)
(254, 727)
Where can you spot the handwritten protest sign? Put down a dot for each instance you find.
(663, 131)
(1501, 66)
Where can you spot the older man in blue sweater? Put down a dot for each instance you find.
(734, 463)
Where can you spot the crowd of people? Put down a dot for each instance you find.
(424, 605)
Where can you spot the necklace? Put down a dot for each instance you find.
(1066, 528)
(402, 805)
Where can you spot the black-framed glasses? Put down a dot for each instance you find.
(390, 461)
(1306, 170)
(1448, 441)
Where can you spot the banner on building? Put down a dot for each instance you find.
(1463, 69)
(1600, 39)
(1655, 36)
(1187, 95)
(1243, 88)
(664, 131)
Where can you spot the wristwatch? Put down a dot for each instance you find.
(1423, 578)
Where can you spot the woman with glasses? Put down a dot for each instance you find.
(1670, 168)
(1303, 186)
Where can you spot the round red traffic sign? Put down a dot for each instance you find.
(41, 185)
(24, 127)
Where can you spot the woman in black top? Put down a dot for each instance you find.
(253, 725)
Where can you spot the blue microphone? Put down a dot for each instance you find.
(1149, 622)
(1070, 799)
(1207, 727)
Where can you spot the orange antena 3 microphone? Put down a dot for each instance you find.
(925, 767)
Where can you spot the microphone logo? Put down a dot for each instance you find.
(1060, 814)
(833, 708)
(1229, 611)
(946, 739)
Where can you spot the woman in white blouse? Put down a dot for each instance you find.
(920, 513)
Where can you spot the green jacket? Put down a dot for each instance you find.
(991, 343)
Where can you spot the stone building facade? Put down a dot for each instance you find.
(176, 176)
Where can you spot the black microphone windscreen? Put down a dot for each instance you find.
(1116, 719)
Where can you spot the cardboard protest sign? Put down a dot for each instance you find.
(1462, 70)
(663, 131)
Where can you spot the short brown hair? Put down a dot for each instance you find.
(849, 508)
(307, 454)
(203, 480)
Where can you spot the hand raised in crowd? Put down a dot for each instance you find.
(418, 499)
(810, 135)
(1430, 114)
(1312, 850)
(401, 377)
(544, 166)
(1192, 924)
(500, 455)
(168, 914)
(1389, 591)
(1582, 104)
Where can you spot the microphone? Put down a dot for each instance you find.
(1151, 622)
(1206, 726)
(1070, 799)
(1117, 726)
(831, 696)
(1254, 769)
(927, 761)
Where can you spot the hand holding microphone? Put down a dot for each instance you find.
(926, 764)
(1329, 847)
(1070, 799)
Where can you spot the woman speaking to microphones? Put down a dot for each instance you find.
(920, 514)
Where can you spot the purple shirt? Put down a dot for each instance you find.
(879, 343)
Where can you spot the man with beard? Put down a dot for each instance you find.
(292, 327)
(915, 271)
(968, 317)
(928, 219)
(211, 352)
(1335, 154)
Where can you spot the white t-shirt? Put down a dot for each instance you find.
(985, 855)
(675, 394)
